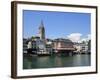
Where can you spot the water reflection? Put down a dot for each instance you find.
(31, 62)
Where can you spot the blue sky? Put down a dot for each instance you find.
(57, 24)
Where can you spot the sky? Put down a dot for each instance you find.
(73, 25)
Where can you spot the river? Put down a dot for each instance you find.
(33, 62)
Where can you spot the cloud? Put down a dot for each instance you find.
(75, 37)
(83, 39)
(87, 38)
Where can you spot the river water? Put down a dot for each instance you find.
(33, 62)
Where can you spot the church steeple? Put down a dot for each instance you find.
(41, 25)
(41, 31)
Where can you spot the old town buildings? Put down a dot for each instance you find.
(41, 45)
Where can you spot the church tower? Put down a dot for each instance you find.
(42, 31)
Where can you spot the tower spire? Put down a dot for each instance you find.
(41, 30)
(42, 25)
